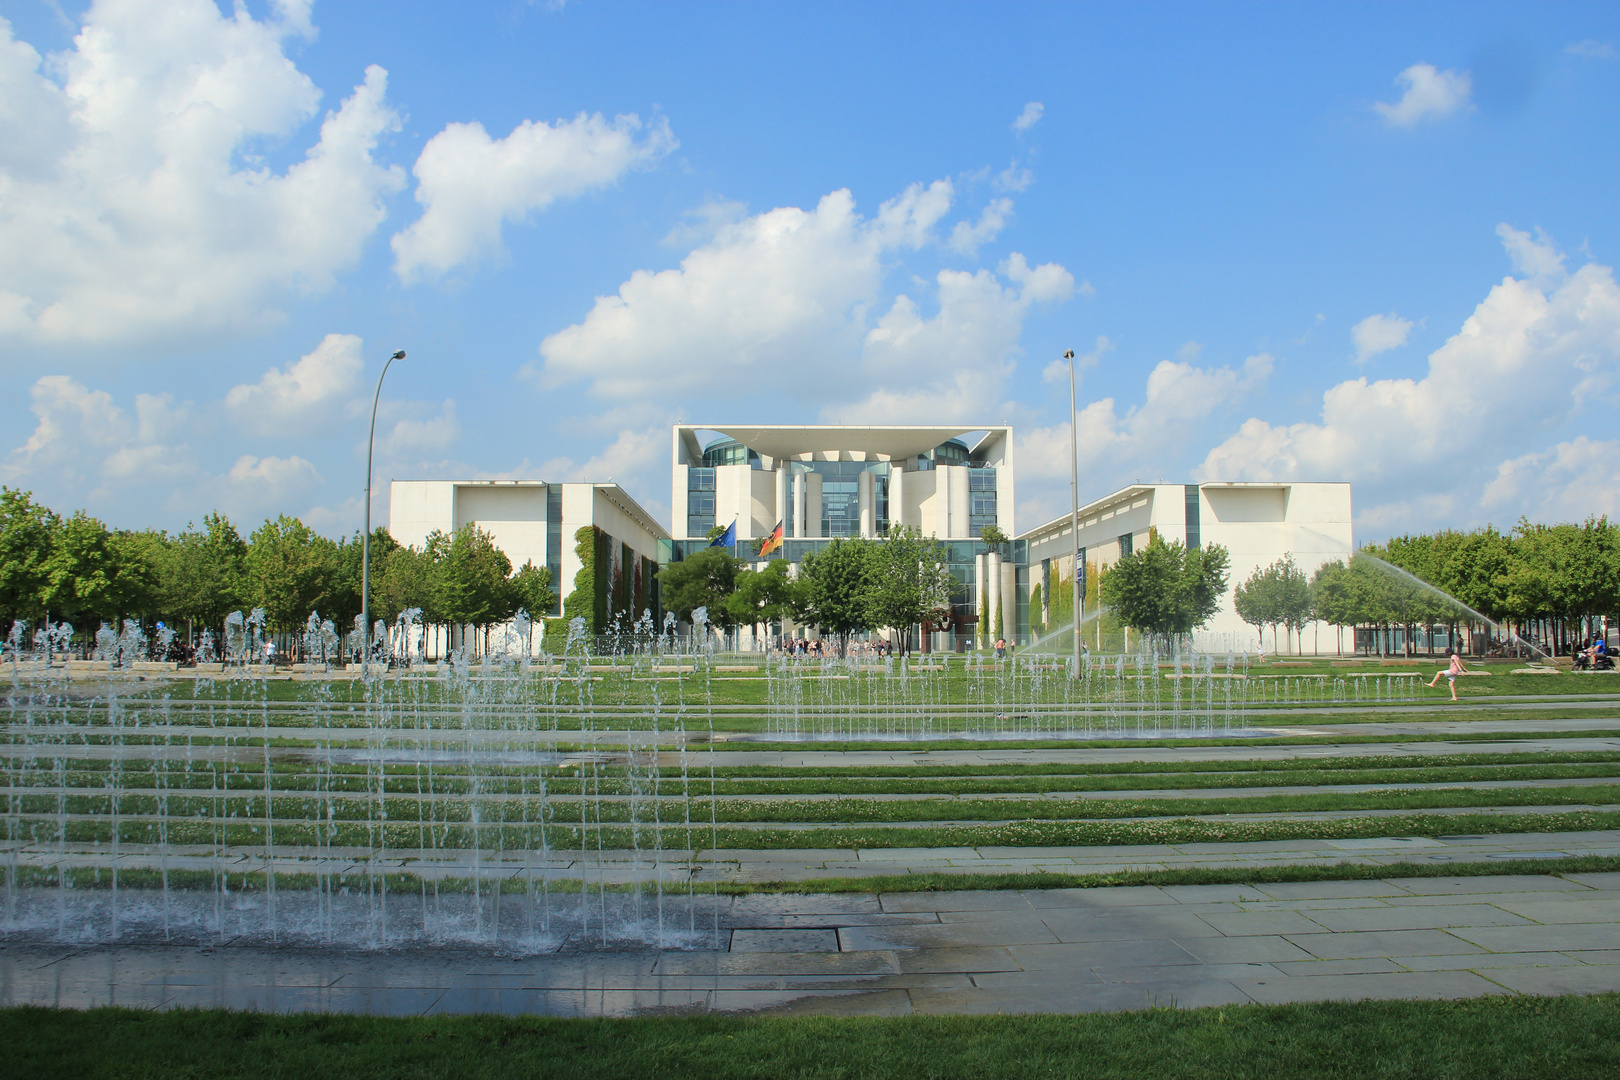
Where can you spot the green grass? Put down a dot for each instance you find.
(1197, 875)
(1570, 1038)
(917, 745)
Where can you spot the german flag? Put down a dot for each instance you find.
(773, 541)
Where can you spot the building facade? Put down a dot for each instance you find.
(1257, 523)
(534, 521)
(821, 483)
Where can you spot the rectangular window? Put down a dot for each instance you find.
(554, 543)
(1194, 537)
(1126, 545)
(699, 501)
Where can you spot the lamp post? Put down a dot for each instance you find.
(365, 548)
(1074, 509)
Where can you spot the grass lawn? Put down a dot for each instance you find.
(1570, 1038)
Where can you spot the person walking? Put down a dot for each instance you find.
(1454, 669)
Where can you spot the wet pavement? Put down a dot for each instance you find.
(1064, 950)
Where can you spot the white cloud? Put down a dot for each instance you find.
(1429, 92)
(416, 436)
(131, 204)
(306, 393)
(83, 442)
(954, 365)
(1567, 482)
(1526, 359)
(1378, 334)
(1058, 370)
(1114, 447)
(1013, 178)
(469, 184)
(1029, 117)
(702, 224)
(1591, 50)
(1537, 258)
(967, 239)
(783, 289)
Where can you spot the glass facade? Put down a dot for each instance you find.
(554, 545)
(1126, 545)
(729, 452)
(699, 501)
(1193, 531)
(981, 500)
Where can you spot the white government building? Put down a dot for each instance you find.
(823, 482)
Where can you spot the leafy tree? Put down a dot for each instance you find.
(1164, 589)
(288, 568)
(835, 585)
(704, 579)
(403, 579)
(81, 575)
(531, 588)
(27, 533)
(908, 578)
(472, 580)
(994, 538)
(762, 596)
(1255, 602)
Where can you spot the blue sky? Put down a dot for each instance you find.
(1363, 242)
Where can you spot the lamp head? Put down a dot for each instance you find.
(399, 355)
(1068, 354)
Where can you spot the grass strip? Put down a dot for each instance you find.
(926, 809)
(1197, 875)
(919, 745)
(1571, 1037)
(1159, 831)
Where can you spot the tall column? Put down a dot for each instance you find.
(981, 606)
(865, 493)
(897, 500)
(960, 506)
(798, 503)
(942, 502)
(1009, 600)
(812, 504)
(992, 605)
(783, 510)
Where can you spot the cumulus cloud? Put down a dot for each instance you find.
(469, 184)
(778, 290)
(1378, 334)
(1029, 117)
(83, 440)
(306, 393)
(1524, 362)
(1115, 446)
(953, 365)
(131, 202)
(1566, 482)
(967, 239)
(1427, 92)
(415, 436)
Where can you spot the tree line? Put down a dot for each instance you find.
(74, 569)
(850, 585)
(1554, 585)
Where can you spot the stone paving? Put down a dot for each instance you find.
(1065, 950)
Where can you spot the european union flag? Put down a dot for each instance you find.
(727, 538)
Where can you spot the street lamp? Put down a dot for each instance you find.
(365, 549)
(1074, 512)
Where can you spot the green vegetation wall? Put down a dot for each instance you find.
(589, 600)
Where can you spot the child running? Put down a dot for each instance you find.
(1454, 669)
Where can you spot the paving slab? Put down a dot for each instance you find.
(1070, 950)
